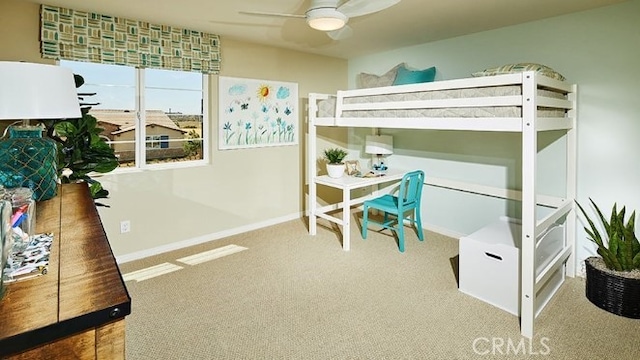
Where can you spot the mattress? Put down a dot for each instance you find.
(326, 108)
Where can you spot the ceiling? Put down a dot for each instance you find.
(407, 23)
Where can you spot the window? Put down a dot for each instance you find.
(157, 142)
(153, 142)
(152, 118)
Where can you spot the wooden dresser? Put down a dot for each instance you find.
(77, 310)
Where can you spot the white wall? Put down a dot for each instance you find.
(239, 190)
(597, 49)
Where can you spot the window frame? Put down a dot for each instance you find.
(140, 132)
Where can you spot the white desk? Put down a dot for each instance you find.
(346, 183)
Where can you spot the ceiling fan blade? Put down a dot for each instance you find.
(353, 8)
(260, 13)
(341, 33)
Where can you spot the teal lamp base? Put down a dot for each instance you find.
(29, 160)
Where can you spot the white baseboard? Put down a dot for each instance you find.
(443, 231)
(121, 259)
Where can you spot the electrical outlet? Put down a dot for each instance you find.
(125, 226)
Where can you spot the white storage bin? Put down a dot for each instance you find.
(489, 264)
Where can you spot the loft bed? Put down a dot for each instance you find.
(526, 102)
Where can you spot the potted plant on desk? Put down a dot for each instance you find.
(334, 158)
(613, 278)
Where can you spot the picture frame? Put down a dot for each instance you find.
(257, 113)
(353, 167)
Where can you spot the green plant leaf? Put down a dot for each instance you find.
(631, 235)
(335, 155)
(97, 192)
(593, 232)
(609, 259)
(636, 261)
(65, 128)
(626, 239)
(617, 245)
(603, 221)
(620, 249)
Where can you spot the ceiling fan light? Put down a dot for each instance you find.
(326, 24)
(326, 19)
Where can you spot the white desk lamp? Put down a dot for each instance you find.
(379, 145)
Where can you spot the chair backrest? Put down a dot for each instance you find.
(411, 189)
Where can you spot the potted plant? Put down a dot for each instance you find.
(334, 158)
(613, 278)
(82, 152)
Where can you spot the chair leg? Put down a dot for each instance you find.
(418, 221)
(401, 234)
(365, 221)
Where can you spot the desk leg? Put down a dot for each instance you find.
(313, 203)
(346, 217)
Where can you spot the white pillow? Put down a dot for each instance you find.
(520, 67)
(365, 81)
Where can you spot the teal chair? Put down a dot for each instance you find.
(404, 206)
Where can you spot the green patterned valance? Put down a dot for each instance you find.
(85, 36)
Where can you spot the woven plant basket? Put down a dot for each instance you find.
(612, 292)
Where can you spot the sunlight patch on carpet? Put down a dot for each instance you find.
(211, 254)
(151, 272)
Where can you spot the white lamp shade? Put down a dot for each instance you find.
(379, 145)
(37, 91)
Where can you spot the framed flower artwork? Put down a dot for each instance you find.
(257, 113)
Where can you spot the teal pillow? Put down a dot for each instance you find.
(406, 76)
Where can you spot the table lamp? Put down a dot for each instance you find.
(379, 145)
(30, 91)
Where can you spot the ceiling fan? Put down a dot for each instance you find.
(332, 16)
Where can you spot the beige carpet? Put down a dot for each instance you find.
(296, 296)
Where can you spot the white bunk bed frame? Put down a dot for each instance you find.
(528, 124)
